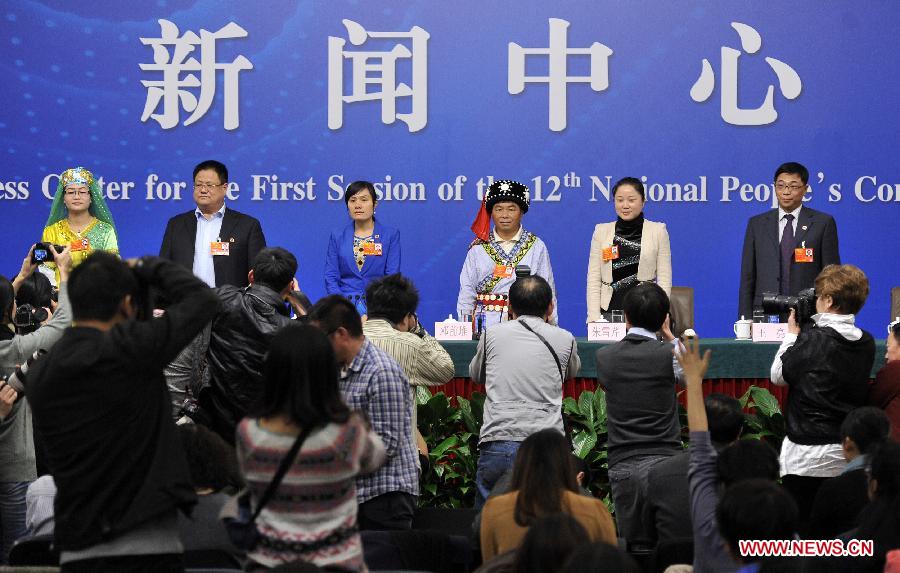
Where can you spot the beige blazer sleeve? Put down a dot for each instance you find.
(599, 295)
(656, 256)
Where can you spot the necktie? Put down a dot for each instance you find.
(787, 251)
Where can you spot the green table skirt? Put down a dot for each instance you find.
(730, 358)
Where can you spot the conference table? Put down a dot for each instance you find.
(735, 366)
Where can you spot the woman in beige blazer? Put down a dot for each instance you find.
(625, 252)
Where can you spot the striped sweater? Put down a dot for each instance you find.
(312, 516)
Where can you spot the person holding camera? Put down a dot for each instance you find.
(826, 363)
(102, 410)
(35, 303)
(79, 218)
(523, 364)
(17, 453)
(239, 338)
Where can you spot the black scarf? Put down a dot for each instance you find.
(630, 230)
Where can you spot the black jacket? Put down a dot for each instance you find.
(101, 406)
(828, 377)
(243, 233)
(838, 504)
(240, 336)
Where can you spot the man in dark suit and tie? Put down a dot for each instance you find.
(786, 248)
(218, 244)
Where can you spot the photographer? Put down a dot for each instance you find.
(17, 457)
(827, 366)
(239, 338)
(34, 303)
(102, 409)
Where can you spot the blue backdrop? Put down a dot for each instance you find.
(73, 95)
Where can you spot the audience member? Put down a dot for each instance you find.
(214, 472)
(392, 325)
(745, 459)
(880, 519)
(755, 509)
(100, 404)
(827, 367)
(885, 391)
(523, 364)
(840, 499)
(504, 485)
(17, 453)
(543, 484)
(667, 511)
(313, 514)
(373, 384)
(639, 374)
(548, 544)
(240, 335)
(600, 558)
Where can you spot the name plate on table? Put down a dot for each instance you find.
(769, 331)
(606, 331)
(452, 330)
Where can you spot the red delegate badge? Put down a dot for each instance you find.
(803, 255)
(503, 272)
(611, 253)
(372, 249)
(219, 248)
(80, 245)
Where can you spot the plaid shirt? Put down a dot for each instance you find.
(374, 383)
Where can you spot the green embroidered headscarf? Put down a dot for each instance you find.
(79, 176)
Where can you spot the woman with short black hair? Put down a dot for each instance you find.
(625, 252)
(363, 250)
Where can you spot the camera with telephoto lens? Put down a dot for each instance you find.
(45, 253)
(18, 378)
(804, 305)
(29, 318)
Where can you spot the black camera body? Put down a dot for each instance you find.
(28, 318)
(804, 304)
(45, 253)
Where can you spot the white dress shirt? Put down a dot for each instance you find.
(207, 231)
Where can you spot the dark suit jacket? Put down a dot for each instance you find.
(761, 259)
(242, 231)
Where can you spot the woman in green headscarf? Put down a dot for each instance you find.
(80, 218)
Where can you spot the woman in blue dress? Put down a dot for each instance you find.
(363, 250)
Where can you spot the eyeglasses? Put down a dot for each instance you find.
(77, 192)
(207, 186)
(793, 186)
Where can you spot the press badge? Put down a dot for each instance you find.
(611, 253)
(219, 248)
(80, 245)
(803, 255)
(503, 272)
(372, 249)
